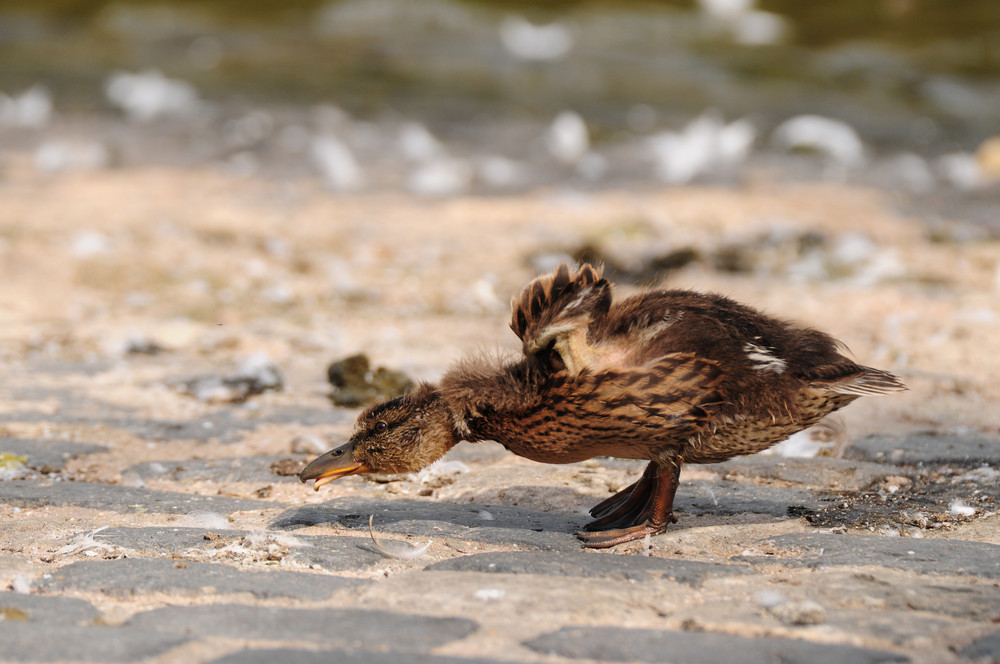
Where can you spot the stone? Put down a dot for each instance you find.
(921, 555)
(336, 554)
(333, 629)
(508, 525)
(590, 565)
(325, 656)
(927, 448)
(220, 425)
(647, 645)
(118, 498)
(48, 610)
(804, 612)
(224, 424)
(815, 472)
(988, 646)
(721, 497)
(892, 591)
(47, 456)
(39, 642)
(164, 541)
(128, 578)
(29, 622)
(259, 468)
(302, 415)
(330, 553)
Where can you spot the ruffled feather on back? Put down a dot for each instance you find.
(554, 312)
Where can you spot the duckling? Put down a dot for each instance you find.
(668, 376)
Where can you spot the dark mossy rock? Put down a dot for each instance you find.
(355, 384)
(645, 270)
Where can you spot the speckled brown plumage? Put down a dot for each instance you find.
(671, 376)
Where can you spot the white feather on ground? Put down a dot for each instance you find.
(396, 549)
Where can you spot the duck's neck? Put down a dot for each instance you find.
(439, 428)
(482, 394)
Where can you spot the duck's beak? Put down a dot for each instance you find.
(338, 462)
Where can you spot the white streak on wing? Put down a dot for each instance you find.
(579, 299)
(653, 328)
(764, 359)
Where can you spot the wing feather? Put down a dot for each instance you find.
(554, 311)
(677, 394)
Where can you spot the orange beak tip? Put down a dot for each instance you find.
(338, 473)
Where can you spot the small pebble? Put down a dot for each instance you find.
(288, 467)
(489, 594)
(309, 444)
(804, 612)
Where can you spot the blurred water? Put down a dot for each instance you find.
(900, 93)
(917, 72)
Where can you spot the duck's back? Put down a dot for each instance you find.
(744, 341)
(776, 377)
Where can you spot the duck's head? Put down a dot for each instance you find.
(401, 435)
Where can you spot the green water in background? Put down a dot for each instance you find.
(922, 73)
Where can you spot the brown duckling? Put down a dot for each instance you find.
(672, 376)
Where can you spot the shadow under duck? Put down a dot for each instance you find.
(672, 376)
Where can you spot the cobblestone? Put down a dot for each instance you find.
(343, 657)
(631, 568)
(925, 556)
(334, 629)
(986, 647)
(118, 498)
(34, 642)
(927, 448)
(633, 645)
(130, 578)
(242, 469)
(47, 456)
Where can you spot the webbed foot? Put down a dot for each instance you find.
(604, 539)
(644, 508)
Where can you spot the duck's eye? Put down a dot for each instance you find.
(339, 452)
(380, 426)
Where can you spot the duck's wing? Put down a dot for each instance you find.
(553, 313)
(677, 396)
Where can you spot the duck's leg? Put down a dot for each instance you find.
(653, 517)
(609, 511)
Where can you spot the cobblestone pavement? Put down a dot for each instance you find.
(153, 566)
(150, 510)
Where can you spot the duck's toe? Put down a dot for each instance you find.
(630, 512)
(604, 539)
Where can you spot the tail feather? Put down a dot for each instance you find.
(558, 304)
(867, 382)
